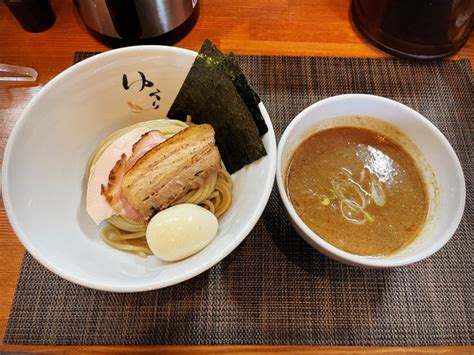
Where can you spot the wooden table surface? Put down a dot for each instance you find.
(273, 27)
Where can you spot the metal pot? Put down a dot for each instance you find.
(126, 22)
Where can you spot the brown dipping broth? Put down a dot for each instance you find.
(358, 190)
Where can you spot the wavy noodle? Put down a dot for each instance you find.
(215, 195)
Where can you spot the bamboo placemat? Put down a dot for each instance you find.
(274, 288)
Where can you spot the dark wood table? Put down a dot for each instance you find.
(273, 27)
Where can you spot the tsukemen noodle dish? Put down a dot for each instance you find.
(358, 189)
(162, 185)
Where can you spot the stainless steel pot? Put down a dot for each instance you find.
(128, 22)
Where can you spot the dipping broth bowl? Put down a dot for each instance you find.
(434, 156)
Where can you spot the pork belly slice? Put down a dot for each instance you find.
(171, 169)
(113, 191)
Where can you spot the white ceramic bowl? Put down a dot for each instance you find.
(431, 150)
(46, 154)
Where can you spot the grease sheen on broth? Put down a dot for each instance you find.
(357, 189)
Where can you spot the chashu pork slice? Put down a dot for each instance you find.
(170, 170)
(113, 190)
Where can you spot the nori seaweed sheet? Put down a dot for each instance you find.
(199, 83)
(211, 58)
(210, 94)
(238, 141)
(245, 91)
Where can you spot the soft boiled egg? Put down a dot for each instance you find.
(180, 231)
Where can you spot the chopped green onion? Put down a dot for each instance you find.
(325, 201)
(376, 191)
(368, 217)
(354, 198)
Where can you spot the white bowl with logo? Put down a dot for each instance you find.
(46, 155)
